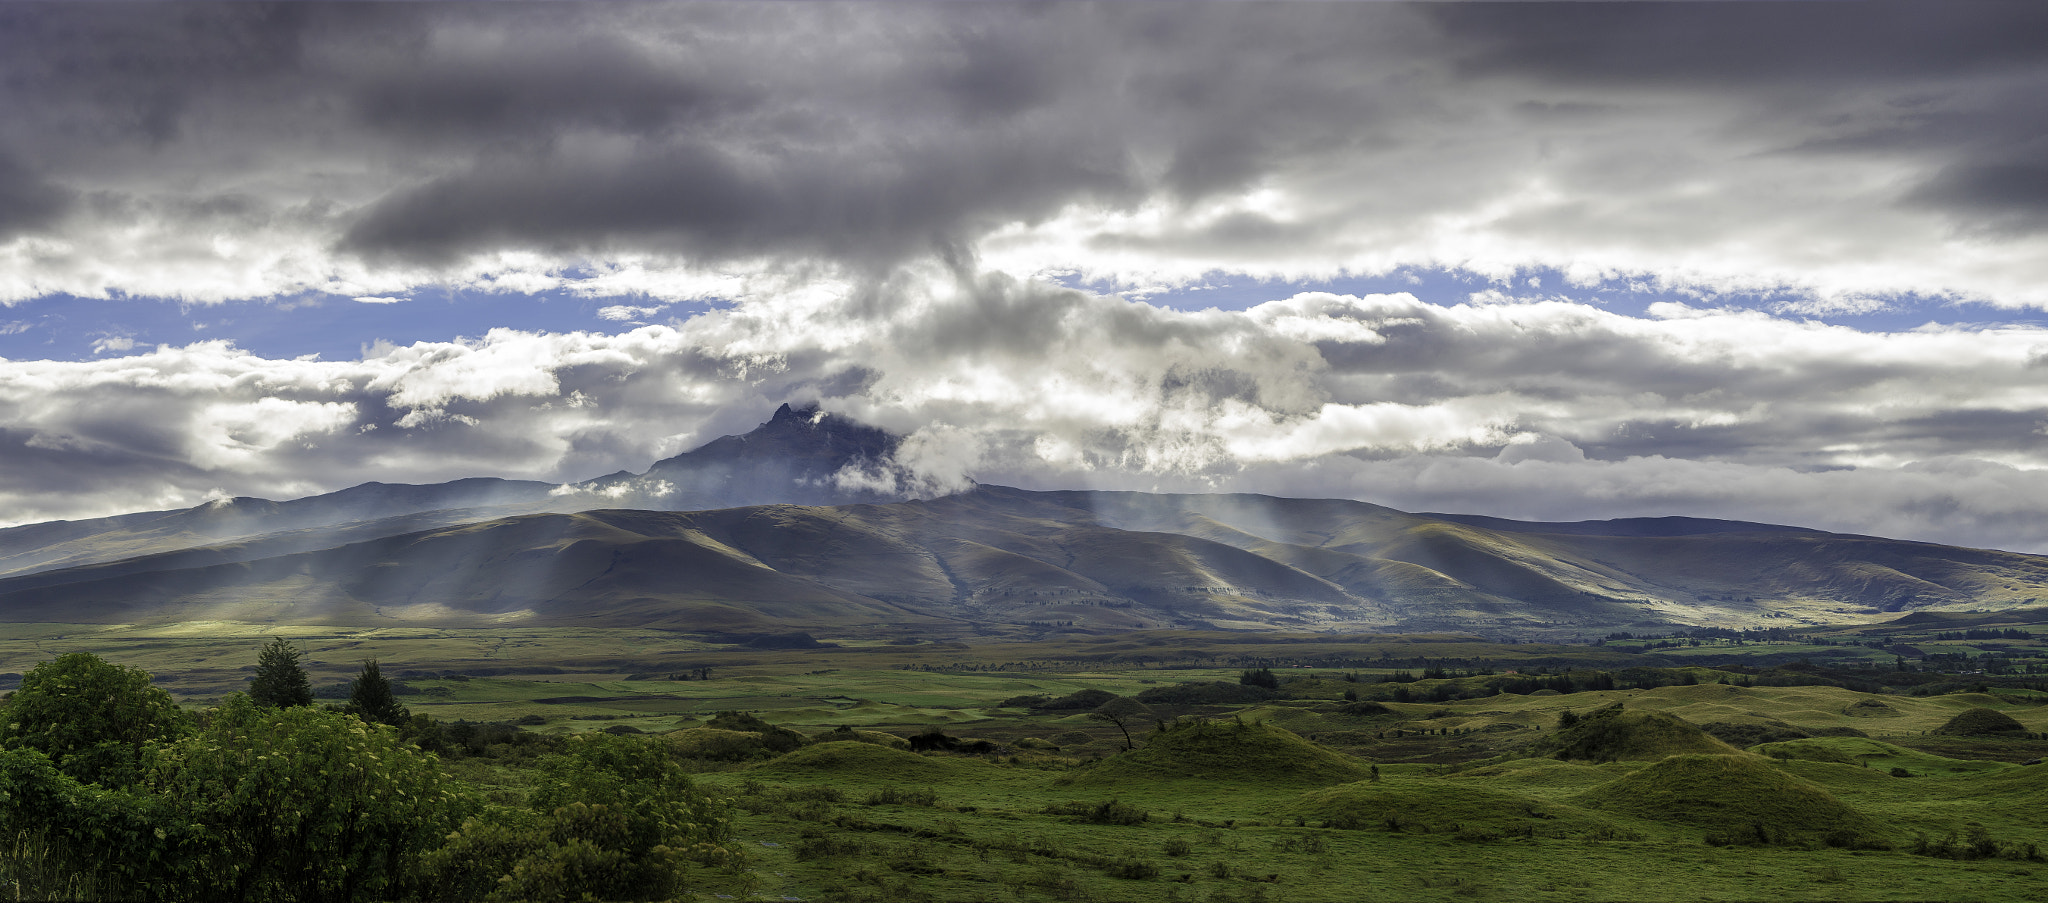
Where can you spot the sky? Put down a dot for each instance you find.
(1783, 262)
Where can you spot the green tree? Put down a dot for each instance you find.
(612, 818)
(279, 680)
(371, 698)
(90, 717)
(1121, 711)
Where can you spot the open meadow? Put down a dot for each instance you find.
(1222, 767)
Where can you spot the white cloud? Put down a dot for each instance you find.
(379, 299)
(1544, 409)
(626, 312)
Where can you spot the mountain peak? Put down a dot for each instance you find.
(801, 455)
(808, 413)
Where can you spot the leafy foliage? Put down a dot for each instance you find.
(1262, 677)
(279, 680)
(301, 804)
(263, 804)
(91, 718)
(612, 818)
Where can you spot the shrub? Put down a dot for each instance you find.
(778, 739)
(1108, 812)
(303, 804)
(1132, 870)
(264, 804)
(1208, 692)
(1079, 699)
(1262, 677)
(612, 817)
(91, 718)
(896, 796)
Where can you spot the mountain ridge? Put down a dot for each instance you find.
(865, 553)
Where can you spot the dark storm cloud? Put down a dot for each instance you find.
(1962, 82)
(879, 189)
(1999, 197)
(380, 147)
(1779, 45)
(27, 201)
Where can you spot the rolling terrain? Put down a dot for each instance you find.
(988, 561)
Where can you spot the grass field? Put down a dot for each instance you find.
(1305, 795)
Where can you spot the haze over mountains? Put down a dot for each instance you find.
(807, 524)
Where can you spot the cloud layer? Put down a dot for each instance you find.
(1540, 409)
(884, 196)
(217, 152)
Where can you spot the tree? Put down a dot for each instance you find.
(371, 698)
(279, 681)
(91, 718)
(1262, 677)
(1121, 711)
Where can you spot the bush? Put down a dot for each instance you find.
(302, 804)
(1262, 677)
(1079, 699)
(896, 796)
(1109, 812)
(612, 818)
(264, 804)
(778, 740)
(91, 718)
(1208, 692)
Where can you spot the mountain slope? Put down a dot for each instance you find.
(1002, 559)
(713, 539)
(798, 456)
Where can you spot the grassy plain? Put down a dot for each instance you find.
(1305, 796)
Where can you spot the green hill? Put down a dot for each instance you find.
(1739, 799)
(1241, 751)
(1436, 806)
(1615, 734)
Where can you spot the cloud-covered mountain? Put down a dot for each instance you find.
(801, 455)
(988, 559)
(1754, 261)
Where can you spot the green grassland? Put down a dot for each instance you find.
(1328, 788)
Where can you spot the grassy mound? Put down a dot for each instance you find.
(718, 744)
(1809, 751)
(1441, 806)
(1979, 723)
(1228, 750)
(1876, 755)
(1614, 734)
(1540, 774)
(2017, 781)
(878, 738)
(852, 758)
(1737, 799)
